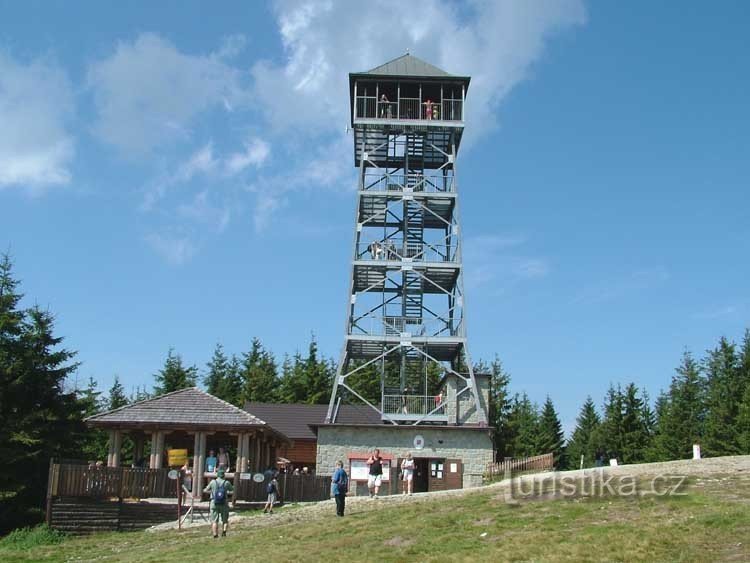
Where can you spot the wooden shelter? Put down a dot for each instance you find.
(188, 419)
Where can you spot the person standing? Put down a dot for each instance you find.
(375, 478)
(223, 459)
(407, 469)
(211, 461)
(220, 489)
(340, 482)
(272, 489)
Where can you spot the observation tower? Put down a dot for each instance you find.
(405, 349)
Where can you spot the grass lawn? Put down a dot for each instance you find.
(711, 522)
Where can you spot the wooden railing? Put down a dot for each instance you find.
(533, 464)
(73, 480)
(292, 488)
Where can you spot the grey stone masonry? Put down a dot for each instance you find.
(461, 409)
(472, 445)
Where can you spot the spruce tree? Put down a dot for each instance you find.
(231, 389)
(724, 393)
(611, 430)
(365, 381)
(743, 422)
(93, 440)
(216, 374)
(318, 376)
(523, 424)
(117, 397)
(259, 378)
(550, 435)
(499, 407)
(39, 419)
(174, 375)
(635, 439)
(681, 413)
(583, 441)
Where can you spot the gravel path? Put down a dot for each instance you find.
(305, 511)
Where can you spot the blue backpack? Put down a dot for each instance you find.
(220, 493)
(343, 484)
(271, 488)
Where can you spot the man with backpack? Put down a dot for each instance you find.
(272, 489)
(340, 487)
(220, 489)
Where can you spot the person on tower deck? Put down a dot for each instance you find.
(376, 250)
(428, 109)
(407, 469)
(439, 399)
(375, 478)
(385, 107)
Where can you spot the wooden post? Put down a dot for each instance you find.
(117, 448)
(154, 445)
(179, 500)
(159, 453)
(256, 458)
(111, 448)
(200, 462)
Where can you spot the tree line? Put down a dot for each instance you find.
(707, 403)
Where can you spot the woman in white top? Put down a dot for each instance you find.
(407, 469)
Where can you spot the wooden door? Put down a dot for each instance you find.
(436, 475)
(454, 474)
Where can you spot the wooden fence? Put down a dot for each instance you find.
(292, 488)
(533, 464)
(74, 480)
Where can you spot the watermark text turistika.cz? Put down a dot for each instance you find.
(593, 483)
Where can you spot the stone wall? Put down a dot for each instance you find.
(462, 409)
(473, 446)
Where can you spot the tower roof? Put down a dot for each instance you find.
(408, 65)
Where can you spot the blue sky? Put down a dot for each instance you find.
(178, 174)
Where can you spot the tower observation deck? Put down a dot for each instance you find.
(405, 352)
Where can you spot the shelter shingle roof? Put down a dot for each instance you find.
(295, 420)
(186, 407)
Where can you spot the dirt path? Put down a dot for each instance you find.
(719, 466)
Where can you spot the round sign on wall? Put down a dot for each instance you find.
(173, 474)
(419, 441)
(259, 477)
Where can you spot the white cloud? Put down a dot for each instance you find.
(202, 210)
(266, 204)
(36, 102)
(175, 249)
(147, 93)
(496, 42)
(256, 152)
(201, 161)
(304, 97)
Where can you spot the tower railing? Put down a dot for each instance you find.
(398, 250)
(409, 109)
(383, 325)
(387, 182)
(413, 404)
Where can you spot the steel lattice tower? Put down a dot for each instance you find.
(406, 323)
